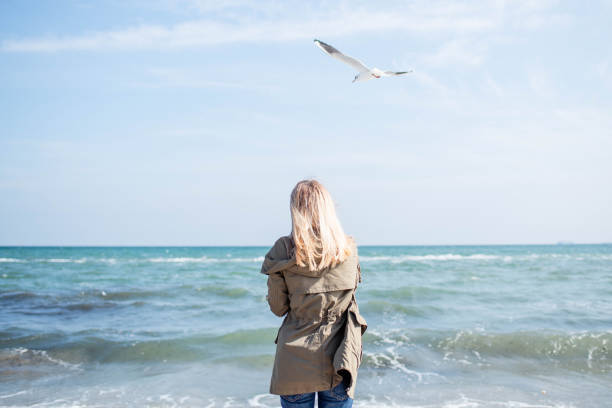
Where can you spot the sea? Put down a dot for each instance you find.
(518, 326)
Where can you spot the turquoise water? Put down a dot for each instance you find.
(449, 326)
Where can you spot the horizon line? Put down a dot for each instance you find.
(560, 243)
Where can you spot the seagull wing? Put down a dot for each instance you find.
(331, 51)
(393, 73)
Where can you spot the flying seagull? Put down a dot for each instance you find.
(364, 73)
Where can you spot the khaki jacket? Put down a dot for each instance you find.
(322, 330)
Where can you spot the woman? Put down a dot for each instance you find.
(312, 276)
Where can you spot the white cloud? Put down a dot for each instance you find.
(206, 32)
(430, 82)
(180, 78)
(289, 21)
(457, 51)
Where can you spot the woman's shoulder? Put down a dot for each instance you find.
(279, 256)
(282, 248)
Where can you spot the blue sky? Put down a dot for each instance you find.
(178, 122)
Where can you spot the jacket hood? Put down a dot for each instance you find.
(281, 258)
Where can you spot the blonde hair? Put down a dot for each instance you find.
(318, 237)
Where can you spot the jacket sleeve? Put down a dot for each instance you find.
(277, 297)
(278, 294)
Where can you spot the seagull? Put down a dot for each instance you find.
(365, 73)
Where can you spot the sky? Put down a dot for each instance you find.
(186, 122)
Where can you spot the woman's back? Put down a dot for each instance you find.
(312, 276)
(315, 341)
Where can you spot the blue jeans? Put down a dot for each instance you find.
(334, 398)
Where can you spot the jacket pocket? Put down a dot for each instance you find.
(359, 318)
(360, 325)
(293, 398)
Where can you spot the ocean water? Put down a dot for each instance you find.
(449, 326)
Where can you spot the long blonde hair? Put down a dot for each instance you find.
(318, 237)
